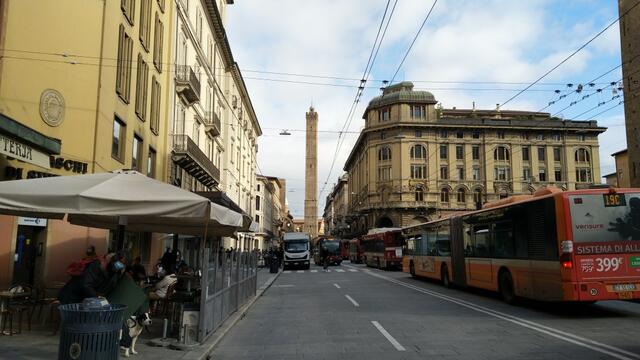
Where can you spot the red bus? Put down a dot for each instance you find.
(581, 245)
(355, 251)
(383, 248)
(344, 249)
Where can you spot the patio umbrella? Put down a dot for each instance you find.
(110, 200)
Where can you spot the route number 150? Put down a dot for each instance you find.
(608, 264)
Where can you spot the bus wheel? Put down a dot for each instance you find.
(506, 288)
(444, 276)
(412, 269)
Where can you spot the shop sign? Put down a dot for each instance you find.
(22, 152)
(68, 165)
(29, 221)
(13, 173)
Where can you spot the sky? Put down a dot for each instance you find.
(468, 51)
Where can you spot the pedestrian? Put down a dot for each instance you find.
(98, 277)
(324, 257)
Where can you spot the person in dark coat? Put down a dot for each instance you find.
(97, 279)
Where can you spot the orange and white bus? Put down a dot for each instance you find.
(427, 250)
(581, 245)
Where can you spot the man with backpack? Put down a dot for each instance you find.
(91, 277)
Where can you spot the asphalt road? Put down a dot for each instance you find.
(353, 312)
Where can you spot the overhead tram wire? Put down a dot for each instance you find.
(414, 41)
(571, 55)
(372, 58)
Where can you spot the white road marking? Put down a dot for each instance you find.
(386, 334)
(286, 272)
(314, 271)
(283, 286)
(355, 303)
(337, 286)
(300, 271)
(558, 334)
(353, 270)
(339, 270)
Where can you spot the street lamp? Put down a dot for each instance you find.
(285, 132)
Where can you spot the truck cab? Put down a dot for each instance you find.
(296, 246)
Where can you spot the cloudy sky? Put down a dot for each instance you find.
(469, 50)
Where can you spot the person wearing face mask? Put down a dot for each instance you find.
(98, 277)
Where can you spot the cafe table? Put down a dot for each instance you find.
(5, 297)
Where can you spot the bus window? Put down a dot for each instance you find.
(481, 241)
(443, 243)
(520, 233)
(541, 229)
(466, 235)
(410, 246)
(503, 241)
(430, 237)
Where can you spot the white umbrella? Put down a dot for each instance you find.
(106, 200)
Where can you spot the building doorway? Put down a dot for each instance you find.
(385, 222)
(28, 260)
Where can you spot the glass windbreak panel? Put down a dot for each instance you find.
(605, 217)
(296, 246)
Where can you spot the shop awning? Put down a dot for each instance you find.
(127, 198)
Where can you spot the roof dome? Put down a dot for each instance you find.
(401, 93)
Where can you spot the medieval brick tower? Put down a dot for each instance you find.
(311, 175)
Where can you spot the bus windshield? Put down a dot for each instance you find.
(332, 246)
(605, 217)
(295, 246)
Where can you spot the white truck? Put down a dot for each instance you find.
(296, 250)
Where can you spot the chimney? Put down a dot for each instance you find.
(474, 106)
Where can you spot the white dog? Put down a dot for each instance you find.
(135, 324)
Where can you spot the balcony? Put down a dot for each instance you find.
(212, 123)
(187, 155)
(187, 84)
(396, 205)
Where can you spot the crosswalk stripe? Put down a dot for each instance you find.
(286, 272)
(314, 271)
(353, 270)
(300, 271)
(339, 270)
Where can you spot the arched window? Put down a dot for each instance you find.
(419, 195)
(582, 156)
(477, 196)
(418, 152)
(444, 195)
(501, 153)
(461, 195)
(384, 153)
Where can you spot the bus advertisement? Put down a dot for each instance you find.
(383, 248)
(581, 245)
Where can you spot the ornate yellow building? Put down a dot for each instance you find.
(415, 161)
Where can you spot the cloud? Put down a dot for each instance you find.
(464, 40)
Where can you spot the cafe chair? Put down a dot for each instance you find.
(165, 303)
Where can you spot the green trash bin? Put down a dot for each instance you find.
(90, 333)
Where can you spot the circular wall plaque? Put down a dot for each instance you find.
(52, 107)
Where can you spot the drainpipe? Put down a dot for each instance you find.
(97, 118)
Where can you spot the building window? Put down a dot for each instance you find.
(418, 152)
(582, 156)
(461, 196)
(117, 141)
(155, 106)
(500, 134)
(444, 134)
(419, 195)
(582, 137)
(556, 136)
(444, 149)
(502, 173)
(199, 25)
(418, 112)
(541, 153)
(384, 153)
(384, 114)
(418, 133)
(258, 187)
(460, 135)
(444, 195)
(475, 173)
(540, 136)
(542, 175)
(444, 172)
(558, 174)
(145, 23)
(141, 88)
(475, 135)
(258, 218)
(477, 196)
(383, 135)
(151, 163)
(384, 173)
(524, 136)
(128, 9)
(258, 202)
(557, 154)
(123, 70)
(583, 175)
(195, 136)
(460, 171)
(475, 152)
(501, 153)
(418, 171)
(158, 39)
(526, 174)
(136, 153)
(459, 152)
(525, 153)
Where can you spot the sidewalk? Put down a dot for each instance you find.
(40, 344)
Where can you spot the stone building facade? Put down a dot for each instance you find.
(415, 161)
